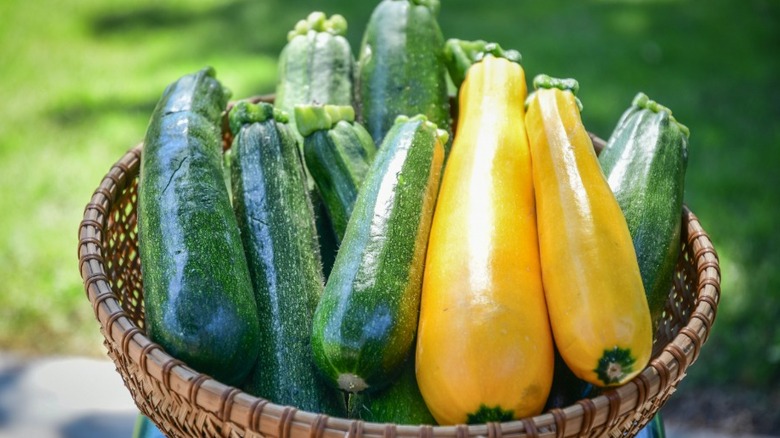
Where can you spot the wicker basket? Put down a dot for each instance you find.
(185, 403)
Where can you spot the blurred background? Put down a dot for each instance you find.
(78, 80)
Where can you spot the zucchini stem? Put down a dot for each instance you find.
(543, 81)
(318, 22)
(244, 113)
(642, 101)
(310, 118)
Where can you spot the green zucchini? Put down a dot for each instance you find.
(278, 232)
(338, 152)
(197, 292)
(400, 68)
(645, 161)
(366, 320)
(399, 403)
(316, 66)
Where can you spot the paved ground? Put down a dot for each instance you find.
(70, 397)
(63, 398)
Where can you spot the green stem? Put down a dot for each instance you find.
(246, 112)
(642, 101)
(310, 118)
(318, 22)
(547, 82)
(460, 55)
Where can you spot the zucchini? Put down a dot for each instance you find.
(399, 403)
(366, 320)
(484, 333)
(644, 162)
(278, 233)
(316, 66)
(338, 152)
(197, 292)
(597, 306)
(400, 67)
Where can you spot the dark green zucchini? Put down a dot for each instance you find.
(401, 68)
(399, 403)
(197, 292)
(645, 161)
(338, 152)
(278, 232)
(366, 321)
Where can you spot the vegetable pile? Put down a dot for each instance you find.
(356, 250)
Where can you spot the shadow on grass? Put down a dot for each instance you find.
(241, 25)
(80, 112)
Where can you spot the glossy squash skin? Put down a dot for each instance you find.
(400, 67)
(366, 320)
(484, 347)
(645, 161)
(598, 310)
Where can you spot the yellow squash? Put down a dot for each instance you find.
(598, 310)
(484, 348)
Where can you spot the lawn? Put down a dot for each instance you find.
(78, 80)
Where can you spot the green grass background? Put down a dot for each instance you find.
(78, 80)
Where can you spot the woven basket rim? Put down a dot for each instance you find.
(261, 416)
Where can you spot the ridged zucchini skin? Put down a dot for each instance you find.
(595, 298)
(316, 66)
(338, 153)
(197, 292)
(645, 161)
(400, 67)
(399, 403)
(366, 320)
(276, 220)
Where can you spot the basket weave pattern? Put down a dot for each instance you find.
(185, 403)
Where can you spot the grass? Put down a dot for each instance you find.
(78, 86)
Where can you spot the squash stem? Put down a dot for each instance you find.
(642, 101)
(310, 118)
(549, 82)
(318, 22)
(244, 113)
